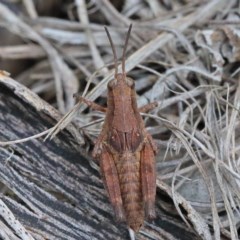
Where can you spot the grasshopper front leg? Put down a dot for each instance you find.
(91, 104)
(148, 107)
(98, 144)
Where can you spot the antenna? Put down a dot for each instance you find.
(125, 48)
(113, 50)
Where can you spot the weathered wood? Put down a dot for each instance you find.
(53, 188)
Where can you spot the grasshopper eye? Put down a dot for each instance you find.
(112, 83)
(130, 82)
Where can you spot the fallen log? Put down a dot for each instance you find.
(52, 189)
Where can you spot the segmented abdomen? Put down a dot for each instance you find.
(128, 167)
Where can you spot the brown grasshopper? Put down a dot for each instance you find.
(125, 149)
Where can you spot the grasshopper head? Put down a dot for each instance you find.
(121, 80)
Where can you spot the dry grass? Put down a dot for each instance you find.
(185, 55)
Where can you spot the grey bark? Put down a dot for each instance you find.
(53, 188)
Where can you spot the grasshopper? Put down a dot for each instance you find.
(125, 150)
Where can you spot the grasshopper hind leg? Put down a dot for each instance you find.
(148, 178)
(111, 183)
